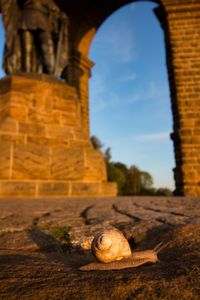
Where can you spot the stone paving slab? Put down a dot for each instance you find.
(34, 265)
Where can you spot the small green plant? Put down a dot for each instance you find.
(63, 235)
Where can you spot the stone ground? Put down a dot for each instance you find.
(44, 242)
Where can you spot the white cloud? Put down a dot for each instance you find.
(102, 98)
(128, 77)
(154, 91)
(158, 136)
(102, 102)
(98, 84)
(117, 42)
(98, 105)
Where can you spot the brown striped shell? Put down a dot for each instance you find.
(110, 245)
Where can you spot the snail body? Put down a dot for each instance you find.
(112, 252)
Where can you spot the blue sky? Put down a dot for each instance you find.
(129, 95)
(130, 107)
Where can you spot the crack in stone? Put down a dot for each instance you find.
(84, 215)
(125, 213)
(160, 210)
(164, 221)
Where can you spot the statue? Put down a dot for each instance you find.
(59, 30)
(36, 37)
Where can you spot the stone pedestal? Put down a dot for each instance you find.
(43, 148)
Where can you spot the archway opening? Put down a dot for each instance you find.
(130, 108)
(2, 41)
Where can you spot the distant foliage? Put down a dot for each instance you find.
(117, 175)
(163, 192)
(133, 184)
(130, 181)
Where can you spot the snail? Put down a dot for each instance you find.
(112, 252)
(110, 245)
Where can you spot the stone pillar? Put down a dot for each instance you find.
(78, 74)
(182, 32)
(43, 148)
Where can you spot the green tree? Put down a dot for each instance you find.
(117, 175)
(130, 181)
(146, 184)
(146, 180)
(164, 192)
(122, 167)
(133, 181)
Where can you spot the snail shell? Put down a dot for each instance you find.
(110, 245)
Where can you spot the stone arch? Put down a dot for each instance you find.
(87, 34)
(84, 23)
(180, 20)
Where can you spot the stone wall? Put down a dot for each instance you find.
(44, 150)
(183, 45)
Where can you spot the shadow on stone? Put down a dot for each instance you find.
(18, 259)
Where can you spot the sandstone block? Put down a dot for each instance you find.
(32, 129)
(19, 98)
(67, 164)
(85, 189)
(95, 169)
(17, 189)
(108, 188)
(5, 159)
(24, 85)
(42, 117)
(58, 142)
(53, 189)
(5, 99)
(43, 148)
(30, 162)
(66, 105)
(56, 131)
(64, 92)
(8, 125)
(69, 119)
(13, 138)
(18, 113)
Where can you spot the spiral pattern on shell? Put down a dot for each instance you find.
(110, 245)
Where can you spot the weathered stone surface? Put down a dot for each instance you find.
(5, 159)
(53, 189)
(14, 138)
(85, 189)
(56, 131)
(30, 162)
(69, 119)
(65, 105)
(94, 165)
(31, 256)
(35, 116)
(32, 129)
(8, 125)
(42, 139)
(108, 188)
(59, 142)
(18, 188)
(67, 164)
(18, 113)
